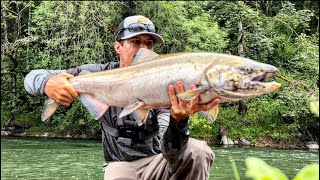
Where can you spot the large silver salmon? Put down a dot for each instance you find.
(144, 85)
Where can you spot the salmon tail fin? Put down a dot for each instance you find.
(50, 106)
(94, 106)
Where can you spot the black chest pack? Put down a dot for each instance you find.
(128, 130)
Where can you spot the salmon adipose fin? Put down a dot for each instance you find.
(50, 106)
(211, 114)
(94, 106)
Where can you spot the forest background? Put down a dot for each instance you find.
(62, 35)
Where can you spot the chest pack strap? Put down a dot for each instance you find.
(113, 131)
(119, 120)
(127, 130)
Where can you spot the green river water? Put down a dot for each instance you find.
(44, 158)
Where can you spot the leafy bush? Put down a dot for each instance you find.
(257, 169)
(200, 127)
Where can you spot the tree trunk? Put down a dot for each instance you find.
(269, 8)
(12, 56)
(242, 109)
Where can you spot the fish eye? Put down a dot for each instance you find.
(248, 69)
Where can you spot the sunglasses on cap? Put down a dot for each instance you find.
(137, 27)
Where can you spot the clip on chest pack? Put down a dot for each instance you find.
(128, 130)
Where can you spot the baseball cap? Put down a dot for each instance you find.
(135, 25)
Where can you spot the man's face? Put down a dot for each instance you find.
(129, 48)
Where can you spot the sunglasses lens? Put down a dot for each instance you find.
(137, 27)
(141, 27)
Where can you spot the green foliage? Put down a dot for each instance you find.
(185, 26)
(314, 105)
(73, 32)
(62, 35)
(257, 169)
(200, 127)
(234, 168)
(310, 172)
(76, 120)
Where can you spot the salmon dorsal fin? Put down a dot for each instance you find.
(144, 55)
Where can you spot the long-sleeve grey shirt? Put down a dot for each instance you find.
(170, 137)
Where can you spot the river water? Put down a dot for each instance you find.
(44, 158)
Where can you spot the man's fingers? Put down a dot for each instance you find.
(69, 87)
(180, 87)
(211, 104)
(193, 86)
(64, 103)
(71, 90)
(172, 95)
(62, 100)
(194, 100)
(68, 98)
(66, 75)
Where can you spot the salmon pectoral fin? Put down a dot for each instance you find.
(50, 106)
(140, 115)
(188, 95)
(94, 106)
(130, 108)
(211, 114)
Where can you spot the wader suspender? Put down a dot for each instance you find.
(119, 120)
(111, 130)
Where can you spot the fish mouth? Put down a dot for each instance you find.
(248, 87)
(261, 80)
(263, 77)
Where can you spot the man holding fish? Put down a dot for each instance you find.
(160, 148)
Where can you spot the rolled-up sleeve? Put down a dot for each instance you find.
(35, 81)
